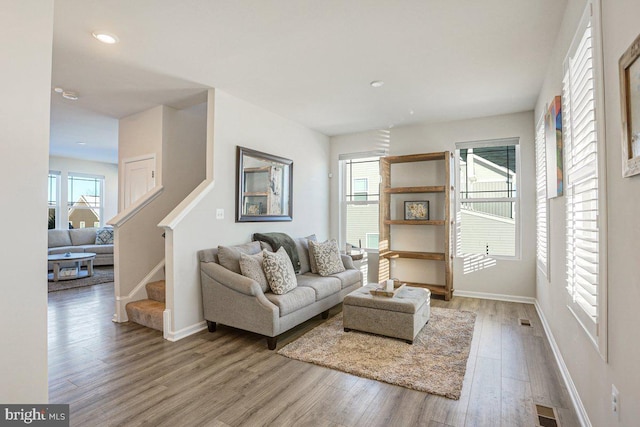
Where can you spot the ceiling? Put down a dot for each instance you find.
(308, 60)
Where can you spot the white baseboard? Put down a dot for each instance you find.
(497, 297)
(184, 332)
(566, 376)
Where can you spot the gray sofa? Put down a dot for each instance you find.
(234, 300)
(79, 240)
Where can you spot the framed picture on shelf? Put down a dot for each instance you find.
(630, 98)
(416, 210)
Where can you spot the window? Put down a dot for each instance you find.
(488, 199)
(542, 222)
(53, 190)
(84, 200)
(585, 202)
(360, 178)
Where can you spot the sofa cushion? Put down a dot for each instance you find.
(59, 238)
(251, 267)
(348, 277)
(293, 300)
(322, 286)
(104, 236)
(279, 271)
(327, 256)
(83, 236)
(229, 256)
(302, 245)
(98, 249)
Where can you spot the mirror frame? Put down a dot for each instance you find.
(240, 184)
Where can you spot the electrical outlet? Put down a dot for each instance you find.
(615, 401)
(219, 213)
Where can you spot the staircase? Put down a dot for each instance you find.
(148, 312)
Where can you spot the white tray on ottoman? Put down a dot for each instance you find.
(401, 316)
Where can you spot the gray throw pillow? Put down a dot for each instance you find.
(279, 271)
(302, 245)
(229, 256)
(312, 261)
(251, 267)
(327, 256)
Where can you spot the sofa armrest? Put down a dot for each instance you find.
(231, 280)
(347, 261)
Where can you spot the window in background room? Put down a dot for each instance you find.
(488, 199)
(85, 199)
(584, 195)
(542, 219)
(360, 178)
(53, 190)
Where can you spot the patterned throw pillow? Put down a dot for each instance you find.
(327, 257)
(251, 267)
(104, 236)
(279, 271)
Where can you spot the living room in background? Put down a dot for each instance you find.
(85, 206)
(53, 199)
(360, 187)
(488, 199)
(582, 104)
(542, 204)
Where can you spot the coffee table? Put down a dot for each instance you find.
(76, 257)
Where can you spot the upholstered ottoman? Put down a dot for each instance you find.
(401, 316)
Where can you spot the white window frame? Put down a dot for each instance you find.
(100, 178)
(516, 200)
(542, 201)
(596, 326)
(58, 175)
(342, 229)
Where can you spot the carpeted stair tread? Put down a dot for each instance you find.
(156, 290)
(146, 312)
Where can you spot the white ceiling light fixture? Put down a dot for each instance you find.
(68, 94)
(81, 143)
(105, 37)
(377, 83)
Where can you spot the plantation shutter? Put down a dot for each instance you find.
(541, 199)
(581, 154)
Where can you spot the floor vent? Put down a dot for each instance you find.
(547, 416)
(525, 322)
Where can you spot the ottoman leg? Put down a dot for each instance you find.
(409, 342)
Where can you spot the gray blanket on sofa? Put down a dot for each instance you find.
(276, 240)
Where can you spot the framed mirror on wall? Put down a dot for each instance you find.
(264, 184)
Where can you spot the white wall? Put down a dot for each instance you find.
(24, 152)
(506, 277)
(592, 375)
(139, 135)
(237, 122)
(65, 165)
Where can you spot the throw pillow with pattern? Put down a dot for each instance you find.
(104, 236)
(251, 267)
(327, 257)
(279, 271)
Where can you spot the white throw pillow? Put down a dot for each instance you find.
(279, 271)
(251, 267)
(327, 257)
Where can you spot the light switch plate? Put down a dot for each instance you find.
(219, 213)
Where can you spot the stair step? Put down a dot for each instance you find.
(146, 312)
(156, 290)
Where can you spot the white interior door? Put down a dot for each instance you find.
(139, 178)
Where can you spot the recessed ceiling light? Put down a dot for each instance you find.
(107, 38)
(81, 143)
(377, 83)
(58, 90)
(67, 94)
(411, 112)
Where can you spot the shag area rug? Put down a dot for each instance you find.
(435, 363)
(102, 274)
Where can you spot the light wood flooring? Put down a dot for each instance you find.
(126, 374)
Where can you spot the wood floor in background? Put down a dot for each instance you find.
(126, 374)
